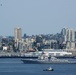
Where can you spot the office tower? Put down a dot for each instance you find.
(18, 33)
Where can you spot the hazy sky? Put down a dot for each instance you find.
(37, 16)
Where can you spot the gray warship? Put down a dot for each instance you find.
(47, 59)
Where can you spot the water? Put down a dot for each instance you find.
(15, 66)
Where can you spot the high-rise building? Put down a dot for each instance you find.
(18, 33)
(17, 36)
(64, 33)
(69, 37)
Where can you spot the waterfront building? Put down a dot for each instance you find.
(50, 44)
(56, 52)
(5, 48)
(26, 44)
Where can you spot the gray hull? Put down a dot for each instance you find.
(35, 61)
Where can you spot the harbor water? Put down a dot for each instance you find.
(14, 66)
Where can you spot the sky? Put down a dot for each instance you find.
(37, 16)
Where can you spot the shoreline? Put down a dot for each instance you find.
(32, 57)
(17, 57)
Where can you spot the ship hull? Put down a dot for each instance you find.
(35, 61)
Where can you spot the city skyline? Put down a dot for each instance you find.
(23, 33)
(36, 17)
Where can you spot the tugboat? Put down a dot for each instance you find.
(49, 69)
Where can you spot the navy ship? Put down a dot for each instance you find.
(47, 59)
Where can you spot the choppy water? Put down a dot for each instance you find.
(15, 66)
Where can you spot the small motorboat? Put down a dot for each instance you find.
(49, 69)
